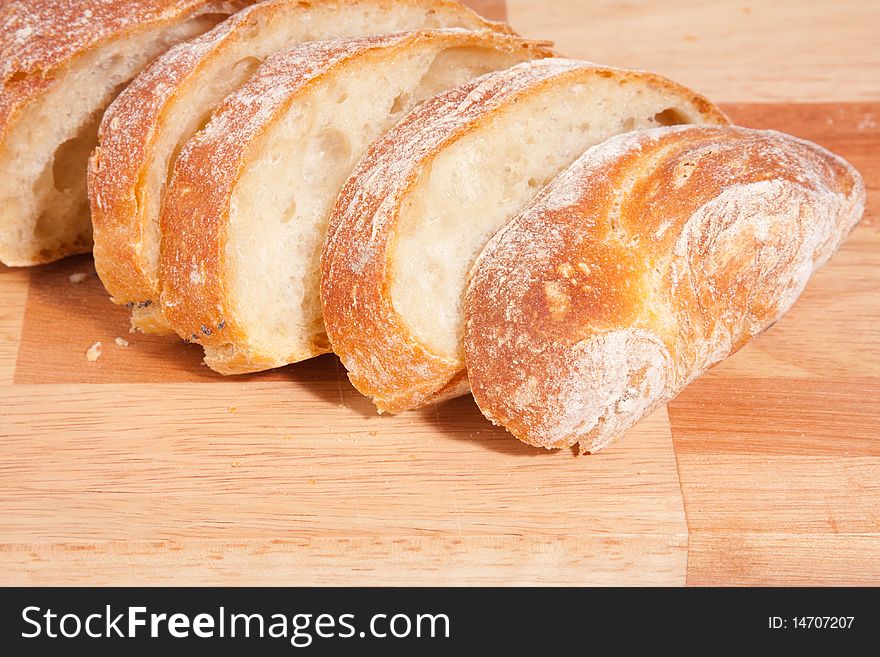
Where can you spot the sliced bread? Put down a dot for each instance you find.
(427, 197)
(244, 219)
(147, 127)
(61, 63)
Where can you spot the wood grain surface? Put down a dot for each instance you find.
(144, 467)
(731, 50)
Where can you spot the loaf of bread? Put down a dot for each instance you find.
(61, 63)
(147, 127)
(447, 206)
(428, 196)
(653, 257)
(246, 213)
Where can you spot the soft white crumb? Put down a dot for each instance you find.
(78, 277)
(94, 352)
(121, 342)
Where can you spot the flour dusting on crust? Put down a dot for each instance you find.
(39, 36)
(358, 264)
(696, 239)
(368, 206)
(133, 118)
(611, 378)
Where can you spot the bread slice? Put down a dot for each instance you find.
(145, 129)
(653, 257)
(244, 219)
(428, 196)
(61, 63)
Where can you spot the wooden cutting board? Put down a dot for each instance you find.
(144, 467)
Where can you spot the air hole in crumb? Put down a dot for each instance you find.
(213, 19)
(399, 103)
(111, 63)
(289, 213)
(669, 116)
(341, 98)
(534, 183)
(629, 124)
(328, 153)
(321, 341)
(71, 158)
(244, 68)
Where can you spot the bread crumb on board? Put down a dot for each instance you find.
(93, 353)
(78, 277)
(867, 123)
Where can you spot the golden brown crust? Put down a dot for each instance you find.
(195, 217)
(384, 360)
(130, 126)
(133, 124)
(652, 258)
(38, 38)
(41, 39)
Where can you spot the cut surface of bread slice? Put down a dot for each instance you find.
(61, 63)
(427, 197)
(245, 217)
(146, 128)
(653, 257)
